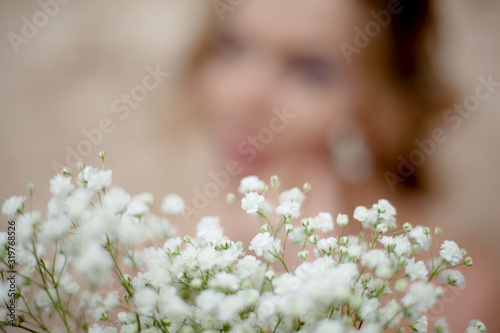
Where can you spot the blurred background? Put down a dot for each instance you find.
(62, 81)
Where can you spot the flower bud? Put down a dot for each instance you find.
(264, 188)
(314, 239)
(126, 297)
(275, 182)
(343, 250)
(426, 230)
(464, 252)
(31, 187)
(306, 187)
(66, 171)
(196, 283)
(102, 154)
(104, 315)
(381, 228)
(365, 278)
(187, 239)
(167, 322)
(380, 209)
(230, 198)
(407, 227)
(225, 244)
(304, 223)
(304, 255)
(288, 228)
(80, 166)
(239, 245)
(401, 284)
(342, 220)
(246, 284)
(468, 261)
(126, 279)
(269, 275)
(194, 266)
(264, 228)
(438, 231)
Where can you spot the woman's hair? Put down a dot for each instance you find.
(412, 41)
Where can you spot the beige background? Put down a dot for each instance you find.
(65, 78)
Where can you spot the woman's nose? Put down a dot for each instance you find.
(254, 87)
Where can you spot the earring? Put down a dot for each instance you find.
(351, 156)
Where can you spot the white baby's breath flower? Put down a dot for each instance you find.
(326, 246)
(112, 301)
(13, 205)
(251, 202)
(420, 297)
(476, 326)
(54, 229)
(69, 285)
(451, 252)
(78, 202)
(250, 184)
(61, 185)
(131, 231)
(263, 243)
(453, 277)
(328, 326)
(97, 180)
(145, 301)
(419, 237)
(294, 195)
(227, 282)
(441, 326)
(323, 222)
(386, 211)
(361, 213)
(117, 200)
(209, 230)
(95, 263)
(247, 266)
(416, 270)
(288, 209)
(172, 245)
(26, 225)
(96, 328)
(402, 246)
(137, 208)
(342, 220)
(421, 325)
(173, 204)
(391, 314)
(368, 310)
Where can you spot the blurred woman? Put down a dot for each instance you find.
(330, 92)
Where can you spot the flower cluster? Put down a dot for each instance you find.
(102, 262)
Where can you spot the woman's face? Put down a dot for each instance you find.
(276, 81)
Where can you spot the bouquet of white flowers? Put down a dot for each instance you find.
(92, 265)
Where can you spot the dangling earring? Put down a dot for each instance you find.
(351, 156)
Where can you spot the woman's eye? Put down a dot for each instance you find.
(228, 46)
(312, 70)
